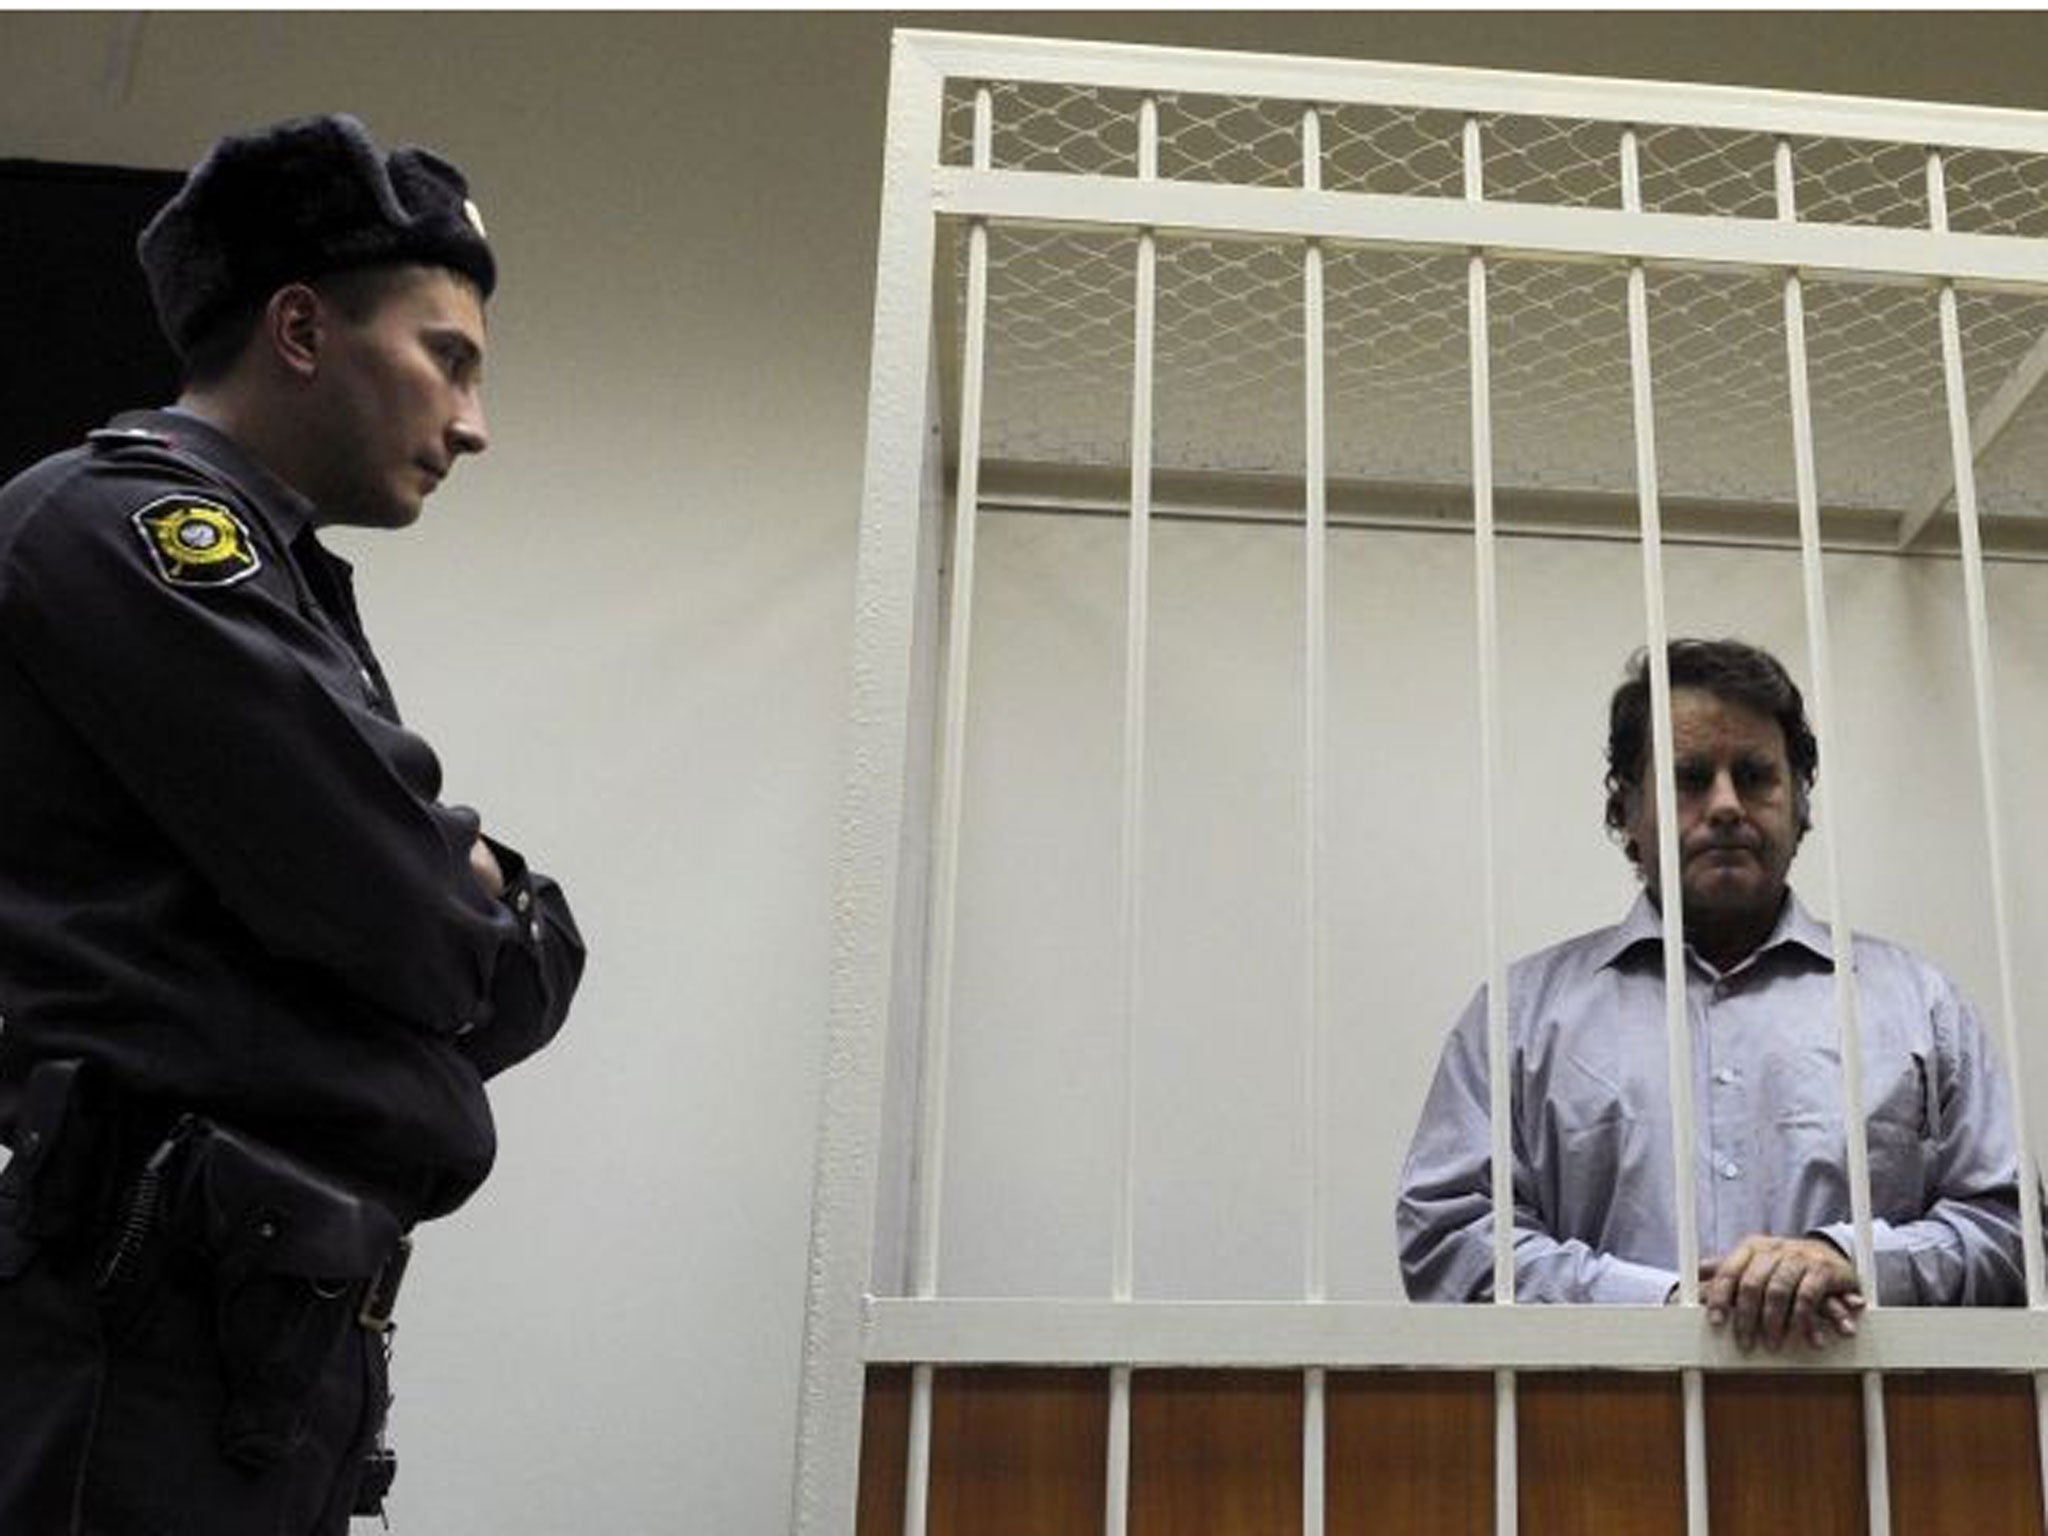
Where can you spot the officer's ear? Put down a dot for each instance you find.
(294, 325)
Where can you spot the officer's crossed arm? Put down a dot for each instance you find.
(534, 979)
(221, 710)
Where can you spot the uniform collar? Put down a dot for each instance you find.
(289, 513)
(1644, 928)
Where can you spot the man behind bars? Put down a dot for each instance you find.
(254, 971)
(1591, 1141)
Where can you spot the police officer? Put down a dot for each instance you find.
(254, 971)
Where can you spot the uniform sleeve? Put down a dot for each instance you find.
(1966, 1249)
(231, 720)
(536, 975)
(1444, 1217)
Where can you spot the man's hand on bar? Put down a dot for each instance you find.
(1775, 1287)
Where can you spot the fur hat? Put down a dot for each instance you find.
(297, 200)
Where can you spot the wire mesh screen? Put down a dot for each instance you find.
(1241, 141)
(1708, 171)
(1231, 335)
(1998, 194)
(1560, 377)
(2011, 474)
(1396, 330)
(1230, 342)
(2000, 333)
(1717, 354)
(1059, 346)
(1078, 130)
(1841, 181)
(1400, 151)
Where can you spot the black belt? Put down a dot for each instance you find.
(92, 1165)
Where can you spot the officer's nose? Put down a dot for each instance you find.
(467, 432)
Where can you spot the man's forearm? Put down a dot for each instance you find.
(1958, 1255)
(1452, 1260)
(1573, 1271)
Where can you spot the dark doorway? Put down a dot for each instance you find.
(78, 338)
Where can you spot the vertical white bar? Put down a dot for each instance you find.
(1500, 1100)
(917, 1472)
(1677, 1025)
(1507, 1459)
(1315, 691)
(1848, 1018)
(1877, 1480)
(1987, 761)
(870, 892)
(931, 1133)
(1130, 911)
(1693, 1395)
(1987, 727)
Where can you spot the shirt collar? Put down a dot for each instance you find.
(1644, 926)
(289, 513)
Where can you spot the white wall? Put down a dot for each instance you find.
(627, 630)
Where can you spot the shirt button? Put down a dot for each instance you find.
(1731, 1171)
(522, 901)
(533, 930)
(1725, 1075)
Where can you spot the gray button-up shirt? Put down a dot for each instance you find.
(1592, 1124)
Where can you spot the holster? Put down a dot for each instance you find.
(292, 1254)
(295, 1259)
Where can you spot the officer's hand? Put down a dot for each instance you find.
(484, 865)
(1770, 1287)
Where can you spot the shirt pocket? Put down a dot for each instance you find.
(1812, 1161)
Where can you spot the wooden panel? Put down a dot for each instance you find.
(1021, 1452)
(1786, 1452)
(1963, 1454)
(1601, 1454)
(1215, 1453)
(1408, 1454)
(884, 1443)
(1018, 1452)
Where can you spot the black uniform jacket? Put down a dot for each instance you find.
(225, 869)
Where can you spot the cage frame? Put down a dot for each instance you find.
(892, 867)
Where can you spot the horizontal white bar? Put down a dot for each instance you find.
(1025, 486)
(1499, 228)
(1486, 91)
(1396, 1335)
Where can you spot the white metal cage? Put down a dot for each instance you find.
(1161, 285)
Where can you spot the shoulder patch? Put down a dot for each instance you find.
(196, 542)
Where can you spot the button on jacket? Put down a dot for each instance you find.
(1592, 1125)
(225, 869)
